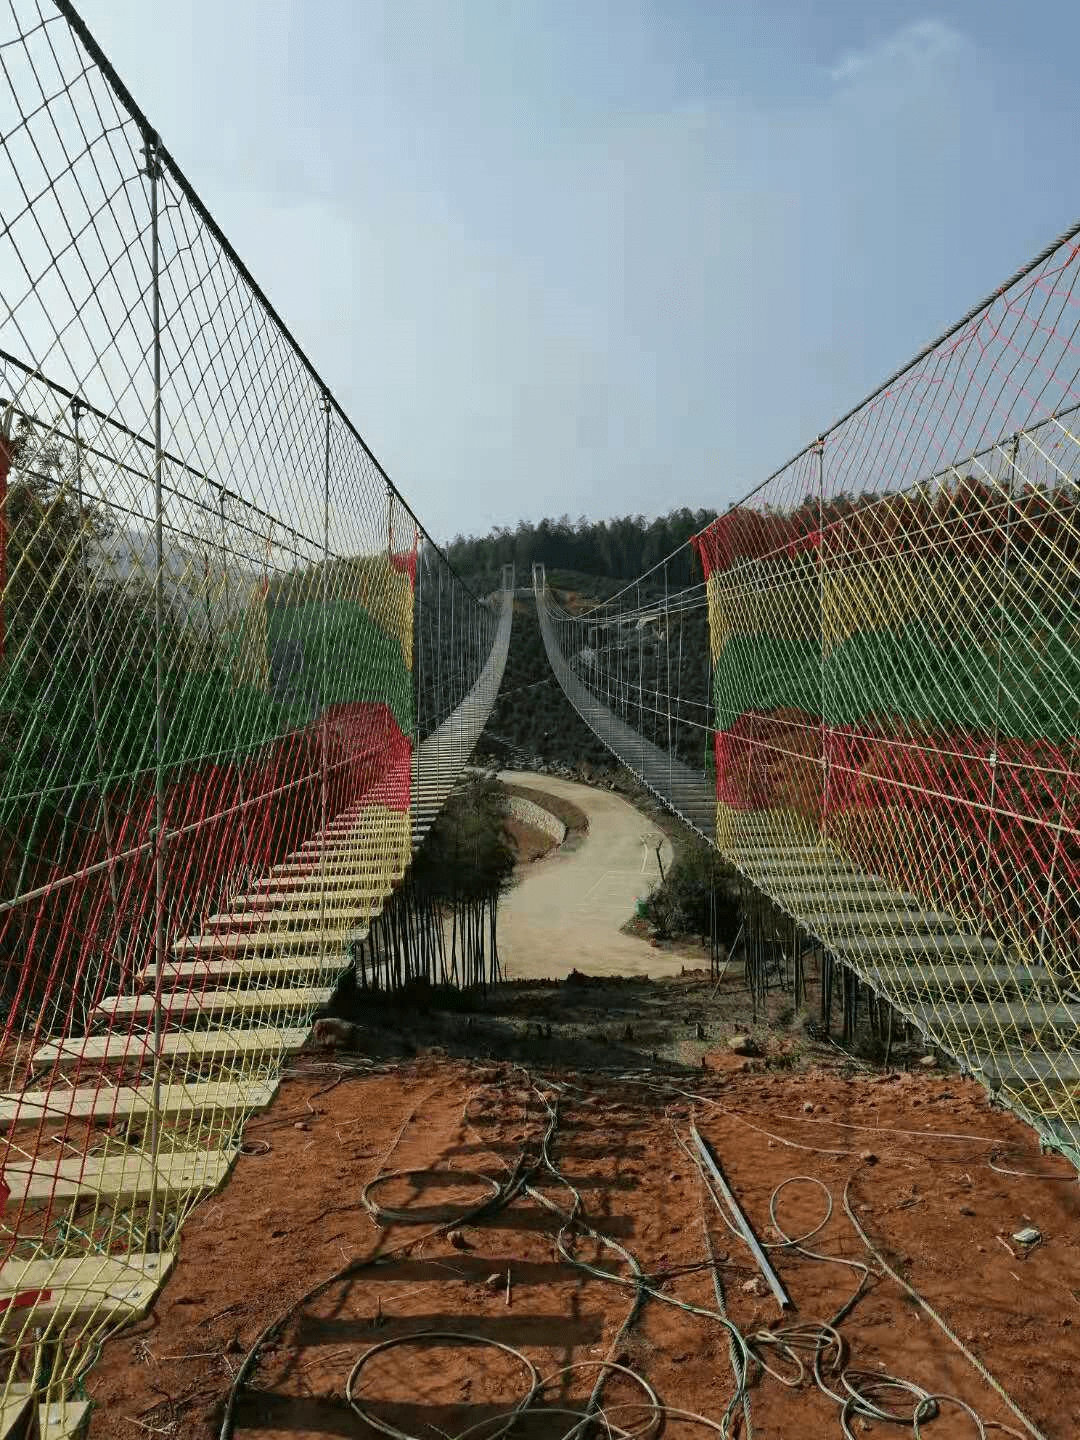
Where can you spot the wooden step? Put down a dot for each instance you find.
(63, 1419)
(1029, 1014)
(272, 942)
(14, 1407)
(309, 899)
(192, 1046)
(883, 918)
(339, 875)
(311, 880)
(934, 975)
(190, 1004)
(248, 969)
(103, 1287)
(104, 1102)
(310, 890)
(261, 915)
(130, 1176)
(1061, 1067)
(901, 945)
(869, 897)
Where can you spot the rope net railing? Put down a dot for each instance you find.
(636, 669)
(224, 642)
(894, 632)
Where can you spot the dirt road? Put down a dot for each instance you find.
(566, 912)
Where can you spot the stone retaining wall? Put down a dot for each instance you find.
(537, 817)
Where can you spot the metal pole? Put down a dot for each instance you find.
(782, 1297)
(323, 799)
(1014, 487)
(91, 659)
(418, 627)
(153, 171)
(235, 674)
(667, 669)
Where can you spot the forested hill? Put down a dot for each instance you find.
(532, 719)
(615, 549)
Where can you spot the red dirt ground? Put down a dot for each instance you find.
(293, 1215)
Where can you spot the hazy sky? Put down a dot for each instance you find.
(604, 256)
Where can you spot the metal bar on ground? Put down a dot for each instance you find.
(710, 1162)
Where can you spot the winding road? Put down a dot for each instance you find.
(566, 912)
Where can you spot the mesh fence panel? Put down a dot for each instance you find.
(222, 636)
(894, 627)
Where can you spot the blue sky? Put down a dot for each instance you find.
(606, 257)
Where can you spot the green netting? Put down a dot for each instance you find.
(49, 740)
(368, 663)
(914, 672)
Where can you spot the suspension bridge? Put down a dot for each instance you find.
(238, 681)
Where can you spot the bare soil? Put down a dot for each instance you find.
(529, 843)
(939, 1202)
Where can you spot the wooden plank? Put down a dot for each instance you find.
(311, 881)
(260, 915)
(128, 1176)
(271, 941)
(887, 918)
(249, 969)
(110, 1288)
(920, 945)
(1030, 1013)
(936, 976)
(62, 1419)
(869, 896)
(192, 1046)
(295, 870)
(105, 1102)
(14, 1408)
(1061, 1067)
(307, 900)
(211, 1002)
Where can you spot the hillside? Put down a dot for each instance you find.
(619, 549)
(532, 720)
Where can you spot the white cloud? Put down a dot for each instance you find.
(906, 54)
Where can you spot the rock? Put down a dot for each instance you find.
(928, 1062)
(495, 1281)
(334, 1034)
(301, 1125)
(1027, 1236)
(868, 1157)
(457, 1240)
(966, 1210)
(700, 1031)
(808, 1107)
(753, 1286)
(741, 1045)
